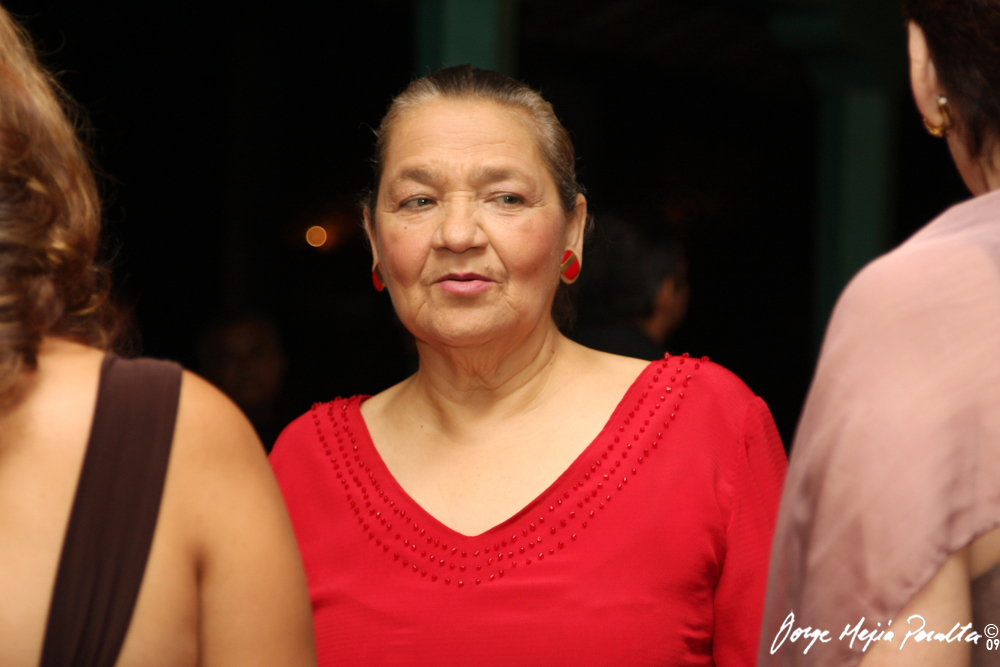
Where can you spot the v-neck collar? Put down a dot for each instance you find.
(391, 485)
(395, 524)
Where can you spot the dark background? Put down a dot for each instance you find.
(223, 133)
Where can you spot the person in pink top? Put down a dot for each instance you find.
(521, 499)
(888, 536)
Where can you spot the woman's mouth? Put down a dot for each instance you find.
(464, 283)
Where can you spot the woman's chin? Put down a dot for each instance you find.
(462, 338)
(466, 332)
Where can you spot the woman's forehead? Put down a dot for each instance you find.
(444, 133)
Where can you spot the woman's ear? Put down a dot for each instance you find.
(370, 233)
(576, 226)
(923, 77)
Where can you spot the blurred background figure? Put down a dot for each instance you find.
(634, 293)
(242, 355)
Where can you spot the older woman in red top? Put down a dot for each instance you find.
(520, 499)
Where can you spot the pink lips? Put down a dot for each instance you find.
(464, 283)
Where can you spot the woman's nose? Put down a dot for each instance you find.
(459, 227)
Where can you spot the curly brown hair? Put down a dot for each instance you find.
(50, 219)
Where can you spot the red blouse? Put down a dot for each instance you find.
(650, 549)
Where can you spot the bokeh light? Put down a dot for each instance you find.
(316, 236)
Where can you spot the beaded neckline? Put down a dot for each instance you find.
(431, 550)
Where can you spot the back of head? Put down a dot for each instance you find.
(963, 37)
(49, 219)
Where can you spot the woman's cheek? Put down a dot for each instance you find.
(537, 256)
(403, 252)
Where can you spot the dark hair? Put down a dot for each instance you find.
(49, 219)
(963, 37)
(467, 82)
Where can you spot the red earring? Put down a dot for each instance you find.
(570, 267)
(377, 278)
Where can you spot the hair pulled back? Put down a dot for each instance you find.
(963, 37)
(465, 82)
(49, 219)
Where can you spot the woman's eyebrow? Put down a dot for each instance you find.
(417, 174)
(485, 175)
(480, 176)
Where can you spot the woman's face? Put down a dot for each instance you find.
(468, 225)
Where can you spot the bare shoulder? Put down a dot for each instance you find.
(215, 454)
(217, 467)
(209, 423)
(622, 367)
(376, 407)
(43, 439)
(596, 382)
(254, 606)
(607, 368)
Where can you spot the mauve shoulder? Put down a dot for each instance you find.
(922, 282)
(982, 209)
(957, 241)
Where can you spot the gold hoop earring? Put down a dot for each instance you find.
(940, 131)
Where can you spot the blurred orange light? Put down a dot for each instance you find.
(316, 236)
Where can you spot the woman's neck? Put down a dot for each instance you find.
(457, 385)
(981, 174)
(991, 173)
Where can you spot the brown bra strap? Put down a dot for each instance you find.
(114, 513)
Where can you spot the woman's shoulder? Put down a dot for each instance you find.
(614, 367)
(723, 423)
(678, 369)
(225, 515)
(959, 247)
(719, 395)
(684, 374)
(676, 377)
(305, 430)
(71, 376)
(974, 219)
(206, 415)
(932, 288)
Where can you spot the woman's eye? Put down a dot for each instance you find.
(418, 202)
(510, 200)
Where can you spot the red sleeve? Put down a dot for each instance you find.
(758, 473)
